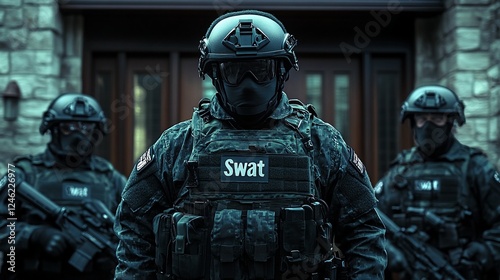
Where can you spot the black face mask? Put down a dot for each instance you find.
(249, 98)
(433, 140)
(75, 148)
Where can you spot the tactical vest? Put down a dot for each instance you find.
(434, 199)
(250, 208)
(68, 187)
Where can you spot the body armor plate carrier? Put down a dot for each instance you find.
(434, 199)
(250, 208)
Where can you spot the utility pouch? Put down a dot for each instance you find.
(227, 244)
(189, 247)
(448, 236)
(293, 230)
(162, 226)
(261, 243)
(310, 241)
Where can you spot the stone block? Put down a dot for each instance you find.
(17, 39)
(468, 38)
(14, 17)
(10, 3)
(4, 62)
(477, 108)
(47, 17)
(467, 17)
(493, 74)
(49, 90)
(481, 87)
(47, 63)
(32, 108)
(31, 17)
(462, 83)
(22, 62)
(472, 60)
(41, 40)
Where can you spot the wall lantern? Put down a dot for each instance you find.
(11, 97)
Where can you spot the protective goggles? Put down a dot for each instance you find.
(262, 70)
(67, 128)
(439, 119)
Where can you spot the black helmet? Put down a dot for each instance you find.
(433, 99)
(73, 107)
(247, 34)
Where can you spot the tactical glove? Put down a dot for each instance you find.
(478, 252)
(52, 241)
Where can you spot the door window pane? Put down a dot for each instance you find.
(388, 85)
(103, 90)
(314, 86)
(341, 104)
(147, 106)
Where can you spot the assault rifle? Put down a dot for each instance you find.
(91, 230)
(421, 256)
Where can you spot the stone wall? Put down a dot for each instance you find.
(461, 49)
(37, 53)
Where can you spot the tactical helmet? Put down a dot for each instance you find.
(433, 99)
(247, 34)
(73, 107)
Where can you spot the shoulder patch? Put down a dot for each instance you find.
(354, 159)
(379, 187)
(146, 158)
(497, 177)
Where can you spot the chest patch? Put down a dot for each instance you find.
(74, 190)
(427, 185)
(244, 169)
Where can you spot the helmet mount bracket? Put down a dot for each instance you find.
(245, 38)
(430, 99)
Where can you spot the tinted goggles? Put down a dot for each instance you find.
(67, 128)
(438, 119)
(262, 70)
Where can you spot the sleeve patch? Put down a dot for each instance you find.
(145, 159)
(357, 162)
(497, 177)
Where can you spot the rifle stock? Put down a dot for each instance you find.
(422, 256)
(91, 235)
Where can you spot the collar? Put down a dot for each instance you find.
(49, 159)
(457, 152)
(283, 109)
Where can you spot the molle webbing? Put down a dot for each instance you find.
(287, 174)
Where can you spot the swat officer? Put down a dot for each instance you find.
(254, 186)
(444, 189)
(67, 173)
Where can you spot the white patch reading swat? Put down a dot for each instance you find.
(78, 191)
(236, 168)
(249, 169)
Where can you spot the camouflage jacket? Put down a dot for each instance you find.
(157, 177)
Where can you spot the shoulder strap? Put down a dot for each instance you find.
(201, 115)
(300, 121)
